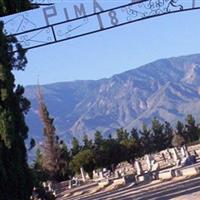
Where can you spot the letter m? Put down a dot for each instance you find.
(79, 10)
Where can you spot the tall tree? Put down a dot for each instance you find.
(64, 159)
(87, 142)
(15, 181)
(98, 139)
(168, 134)
(191, 129)
(50, 154)
(146, 140)
(75, 147)
(158, 136)
(122, 134)
(137, 147)
(180, 129)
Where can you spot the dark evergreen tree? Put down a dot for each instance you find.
(15, 181)
(180, 129)
(158, 137)
(63, 164)
(75, 147)
(191, 129)
(129, 150)
(146, 140)
(98, 139)
(122, 134)
(110, 154)
(168, 134)
(136, 137)
(87, 144)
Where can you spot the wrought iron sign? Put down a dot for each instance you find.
(56, 24)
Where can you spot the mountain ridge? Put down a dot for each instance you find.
(167, 89)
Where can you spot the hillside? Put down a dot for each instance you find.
(168, 89)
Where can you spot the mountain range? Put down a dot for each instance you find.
(168, 89)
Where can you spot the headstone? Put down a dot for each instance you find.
(75, 181)
(50, 186)
(183, 151)
(195, 153)
(155, 165)
(138, 167)
(69, 184)
(155, 169)
(163, 156)
(117, 174)
(95, 174)
(169, 154)
(148, 161)
(101, 176)
(83, 174)
(175, 156)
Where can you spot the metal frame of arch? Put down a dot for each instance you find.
(99, 21)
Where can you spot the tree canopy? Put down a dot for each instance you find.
(16, 179)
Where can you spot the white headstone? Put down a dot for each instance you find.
(148, 161)
(175, 155)
(138, 167)
(101, 175)
(183, 152)
(83, 174)
(69, 184)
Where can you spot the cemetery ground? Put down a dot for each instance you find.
(176, 189)
(161, 176)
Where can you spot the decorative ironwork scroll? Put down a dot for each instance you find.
(85, 24)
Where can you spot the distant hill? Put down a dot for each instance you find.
(168, 89)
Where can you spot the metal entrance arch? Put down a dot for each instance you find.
(84, 24)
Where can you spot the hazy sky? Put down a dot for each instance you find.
(114, 51)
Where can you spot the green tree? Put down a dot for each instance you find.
(87, 144)
(85, 159)
(180, 129)
(137, 146)
(191, 129)
(63, 165)
(75, 147)
(129, 150)
(98, 139)
(158, 137)
(110, 154)
(15, 181)
(135, 135)
(146, 140)
(168, 134)
(122, 134)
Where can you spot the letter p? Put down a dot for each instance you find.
(49, 12)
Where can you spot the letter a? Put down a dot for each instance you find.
(97, 6)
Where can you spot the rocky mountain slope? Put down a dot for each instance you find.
(168, 89)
